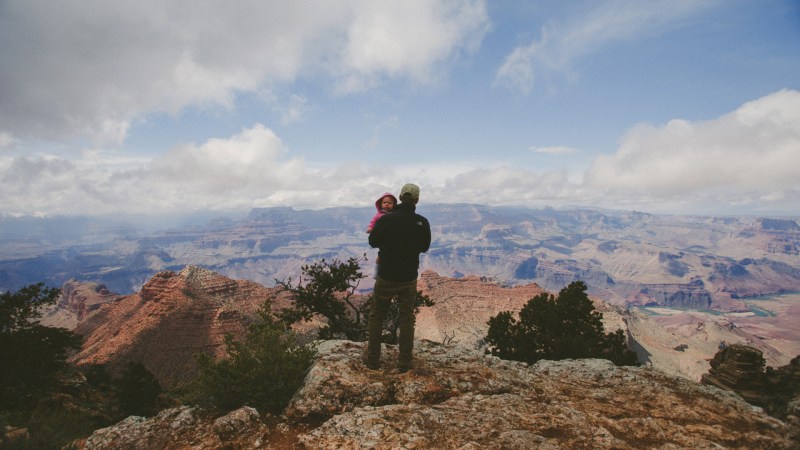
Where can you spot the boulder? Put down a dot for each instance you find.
(738, 368)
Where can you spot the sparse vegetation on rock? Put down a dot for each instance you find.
(459, 398)
(282, 395)
(555, 328)
(33, 360)
(32, 355)
(328, 289)
(138, 390)
(262, 371)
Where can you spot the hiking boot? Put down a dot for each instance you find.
(372, 365)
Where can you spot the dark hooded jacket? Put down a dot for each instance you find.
(401, 236)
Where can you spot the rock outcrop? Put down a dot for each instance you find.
(185, 427)
(460, 398)
(463, 307)
(77, 302)
(692, 295)
(738, 368)
(176, 315)
(745, 278)
(773, 331)
(84, 298)
(455, 398)
(741, 369)
(779, 236)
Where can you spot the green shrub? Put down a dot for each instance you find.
(557, 328)
(263, 371)
(137, 390)
(96, 375)
(54, 426)
(54, 423)
(32, 355)
(329, 289)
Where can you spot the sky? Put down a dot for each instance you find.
(160, 107)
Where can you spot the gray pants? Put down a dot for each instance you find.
(406, 293)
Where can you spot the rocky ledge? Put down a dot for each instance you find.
(456, 398)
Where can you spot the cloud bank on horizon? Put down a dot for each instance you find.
(179, 106)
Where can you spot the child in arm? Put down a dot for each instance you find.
(384, 204)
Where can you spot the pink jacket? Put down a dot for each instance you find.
(380, 212)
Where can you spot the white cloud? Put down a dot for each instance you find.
(219, 173)
(250, 169)
(409, 38)
(509, 186)
(600, 25)
(742, 162)
(89, 69)
(750, 155)
(47, 185)
(224, 165)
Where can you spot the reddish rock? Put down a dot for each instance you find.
(84, 298)
(460, 398)
(738, 368)
(463, 306)
(178, 314)
(455, 398)
(78, 301)
(173, 317)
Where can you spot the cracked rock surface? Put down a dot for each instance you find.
(457, 398)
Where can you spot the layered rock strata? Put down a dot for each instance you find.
(174, 316)
(741, 369)
(77, 302)
(463, 307)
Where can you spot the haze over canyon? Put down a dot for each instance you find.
(701, 279)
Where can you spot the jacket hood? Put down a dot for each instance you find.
(385, 194)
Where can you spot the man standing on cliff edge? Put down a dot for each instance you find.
(400, 237)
